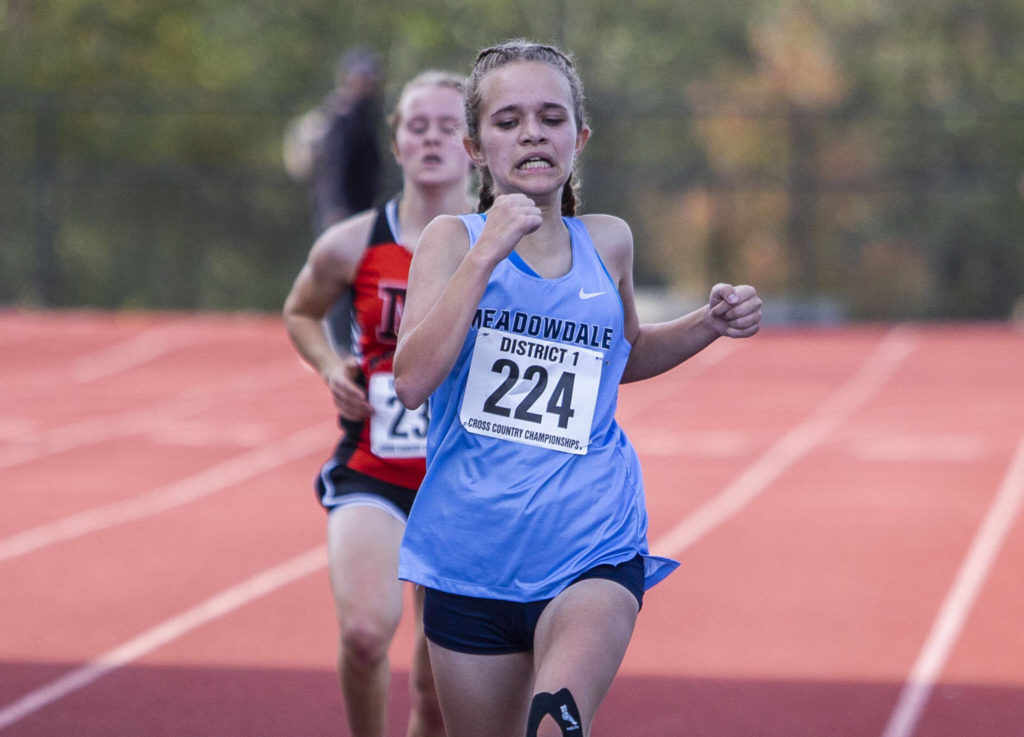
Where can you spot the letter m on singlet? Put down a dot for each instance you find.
(392, 303)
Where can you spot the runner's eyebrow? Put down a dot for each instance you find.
(514, 108)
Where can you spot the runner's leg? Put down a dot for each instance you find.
(362, 546)
(579, 644)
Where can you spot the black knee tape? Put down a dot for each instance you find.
(561, 706)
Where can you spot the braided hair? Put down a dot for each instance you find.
(510, 52)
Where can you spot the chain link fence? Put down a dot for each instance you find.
(833, 217)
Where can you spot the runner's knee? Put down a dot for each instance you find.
(364, 644)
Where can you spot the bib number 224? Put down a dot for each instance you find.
(531, 391)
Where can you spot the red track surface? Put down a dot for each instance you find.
(846, 504)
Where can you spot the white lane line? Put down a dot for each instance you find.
(131, 352)
(213, 608)
(695, 366)
(959, 600)
(158, 417)
(657, 441)
(211, 480)
(795, 444)
(922, 448)
(126, 354)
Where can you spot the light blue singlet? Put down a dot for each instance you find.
(530, 480)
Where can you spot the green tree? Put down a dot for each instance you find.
(862, 154)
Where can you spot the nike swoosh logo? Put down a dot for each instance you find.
(589, 295)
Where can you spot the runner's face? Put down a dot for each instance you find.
(528, 136)
(428, 141)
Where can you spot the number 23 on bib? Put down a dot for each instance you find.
(395, 432)
(531, 391)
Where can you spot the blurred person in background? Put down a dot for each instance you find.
(346, 170)
(335, 147)
(368, 485)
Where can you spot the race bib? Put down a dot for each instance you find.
(395, 432)
(531, 391)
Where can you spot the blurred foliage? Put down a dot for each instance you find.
(866, 155)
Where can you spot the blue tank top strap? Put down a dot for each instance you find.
(474, 223)
(581, 235)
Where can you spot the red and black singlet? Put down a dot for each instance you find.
(378, 298)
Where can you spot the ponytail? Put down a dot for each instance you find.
(569, 198)
(486, 190)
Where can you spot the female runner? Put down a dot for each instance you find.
(529, 532)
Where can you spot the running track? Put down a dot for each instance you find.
(846, 504)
